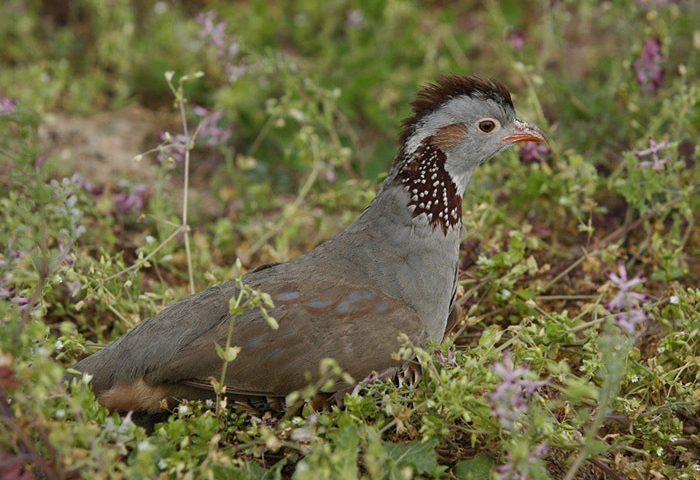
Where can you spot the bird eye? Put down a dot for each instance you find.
(487, 126)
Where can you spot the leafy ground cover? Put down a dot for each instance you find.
(578, 353)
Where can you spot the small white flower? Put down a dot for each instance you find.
(160, 8)
(183, 409)
(505, 294)
(58, 345)
(300, 435)
(634, 378)
(209, 403)
(659, 451)
(87, 378)
(144, 446)
(150, 239)
(162, 464)
(674, 300)
(661, 349)
(60, 413)
(296, 114)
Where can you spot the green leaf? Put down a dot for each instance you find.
(490, 336)
(595, 447)
(477, 468)
(416, 454)
(270, 320)
(335, 460)
(578, 390)
(249, 471)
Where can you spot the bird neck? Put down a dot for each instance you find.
(433, 194)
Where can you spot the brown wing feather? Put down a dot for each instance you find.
(319, 316)
(357, 326)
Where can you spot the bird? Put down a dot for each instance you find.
(391, 274)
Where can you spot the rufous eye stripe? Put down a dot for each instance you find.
(450, 136)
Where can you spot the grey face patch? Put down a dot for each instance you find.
(460, 110)
(434, 96)
(477, 147)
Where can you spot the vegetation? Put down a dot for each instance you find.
(578, 353)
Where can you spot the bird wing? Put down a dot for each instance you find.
(319, 316)
(357, 326)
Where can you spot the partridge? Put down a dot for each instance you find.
(393, 271)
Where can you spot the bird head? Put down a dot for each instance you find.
(468, 119)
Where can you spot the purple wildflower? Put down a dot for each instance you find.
(74, 288)
(513, 470)
(209, 129)
(175, 146)
(213, 34)
(653, 150)
(234, 72)
(450, 360)
(440, 357)
(21, 302)
(510, 398)
(39, 162)
(627, 303)
(8, 290)
(355, 19)
(7, 106)
(210, 31)
(85, 184)
(516, 39)
(647, 68)
(69, 208)
(534, 152)
(629, 320)
(172, 147)
(625, 298)
(128, 200)
(329, 172)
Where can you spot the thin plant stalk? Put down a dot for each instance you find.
(186, 187)
(229, 338)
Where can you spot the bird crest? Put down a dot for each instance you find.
(435, 94)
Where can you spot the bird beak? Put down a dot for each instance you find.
(524, 132)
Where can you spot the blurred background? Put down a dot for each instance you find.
(294, 86)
